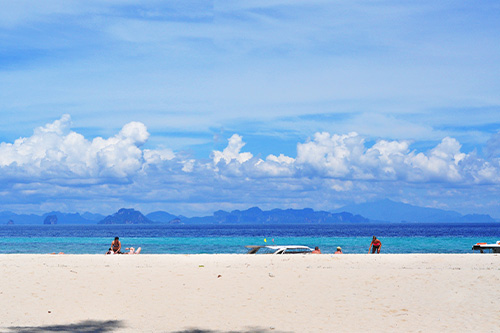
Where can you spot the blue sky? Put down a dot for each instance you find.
(194, 106)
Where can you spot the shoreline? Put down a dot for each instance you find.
(249, 255)
(250, 293)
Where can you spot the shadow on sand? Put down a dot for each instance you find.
(95, 326)
(251, 330)
(87, 326)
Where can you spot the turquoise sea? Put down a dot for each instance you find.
(184, 239)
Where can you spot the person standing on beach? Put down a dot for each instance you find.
(375, 245)
(116, 245)
(339, 250)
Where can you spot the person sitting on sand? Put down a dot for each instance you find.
(116, 246)
(316, 250)
(339, 250)
(375, 245)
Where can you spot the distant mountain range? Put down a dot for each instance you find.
(258, 216)
(395, 212)
(126, 216)
(378, 211)
(253, 215)
(61, 218)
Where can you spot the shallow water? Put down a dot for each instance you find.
(176, 239)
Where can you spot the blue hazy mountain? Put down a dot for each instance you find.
(50, 219)
(161, 217)
(13, 218)
(484, 218)
(255, 215)
(92, 216)
(383, 211)
(69, 218)
(62, 218)
(391, 211)
(126, 216)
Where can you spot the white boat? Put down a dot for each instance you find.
(278, 249)
(495, 248)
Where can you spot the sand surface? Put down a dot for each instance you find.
(250, 293)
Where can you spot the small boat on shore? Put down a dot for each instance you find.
(279, 249)
(495, 248)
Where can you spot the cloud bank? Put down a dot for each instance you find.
(347, 157)
(60, 168)
(54, 151)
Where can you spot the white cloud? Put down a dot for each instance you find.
(53, 151)
(441, 164)
(57, 163)
(328, 155)
(157, 156)
(135, 133)
(347, 158)
(277, 166)
(232, 152)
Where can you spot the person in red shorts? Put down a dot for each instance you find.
(375, 245)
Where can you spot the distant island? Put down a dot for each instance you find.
(50, 219)
(126, 216)
(251, 216)
(396, 212)
(386, 211)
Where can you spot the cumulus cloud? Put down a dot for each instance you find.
(330, 155)
(232, 152)
(56, 162)
(54, 151)
(347, 157)
(276, 166)
(158, 156)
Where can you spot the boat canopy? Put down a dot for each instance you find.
(278, 249)
(495, 248)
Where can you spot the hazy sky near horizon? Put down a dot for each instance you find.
(195, 106)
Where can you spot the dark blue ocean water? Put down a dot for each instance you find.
(176, 239)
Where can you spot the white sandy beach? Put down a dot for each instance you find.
(250, 293)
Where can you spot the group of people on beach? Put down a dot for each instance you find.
(116, 248)
(318, 251)
(375, 246)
